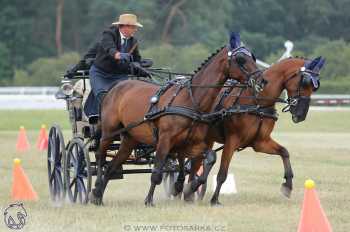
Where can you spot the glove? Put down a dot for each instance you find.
(126, 57)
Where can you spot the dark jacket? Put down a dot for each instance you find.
(111, 43)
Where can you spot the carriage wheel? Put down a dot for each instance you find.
(55, 153)
(77, 172)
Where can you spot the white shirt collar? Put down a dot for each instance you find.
(122, 37)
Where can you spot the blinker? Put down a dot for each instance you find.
(240, 59)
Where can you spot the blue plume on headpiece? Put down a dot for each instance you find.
(320, 64)
(315, 65)
(311, 65)
(235, 40)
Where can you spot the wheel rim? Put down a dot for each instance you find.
(56, 151)
(77, 172)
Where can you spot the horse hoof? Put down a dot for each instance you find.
(215, 203)
(177, 188)
(94, 199)
(188, 194)
(149, 203)
(286, 190)
(178, 196)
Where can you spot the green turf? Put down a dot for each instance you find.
(319, 149)
(32, 119)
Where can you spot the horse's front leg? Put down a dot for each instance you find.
(125, 149)
(195, 165)
(272, 147)
(179, 184)
(208, 163)
(163, 148)
(97, 193)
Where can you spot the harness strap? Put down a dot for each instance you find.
(195, 104)
(169, 110)
(177, 110)
(268, 112)
(255, 136)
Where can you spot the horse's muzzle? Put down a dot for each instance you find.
(300, 109)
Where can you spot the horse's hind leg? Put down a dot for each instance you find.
(163, 148)
(208, 163)
(272, 147)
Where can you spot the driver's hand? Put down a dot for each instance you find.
(117, 56)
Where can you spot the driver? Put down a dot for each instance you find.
(114, 53)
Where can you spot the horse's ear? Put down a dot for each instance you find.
(311, 65)
(320, 64)
(235, 40)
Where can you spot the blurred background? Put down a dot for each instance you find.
(40, 39)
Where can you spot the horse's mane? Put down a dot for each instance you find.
(298, 57)
(207, 61)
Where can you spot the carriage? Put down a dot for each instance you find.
(72, 164)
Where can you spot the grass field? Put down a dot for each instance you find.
(319, 150)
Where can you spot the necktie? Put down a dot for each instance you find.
(124, 45)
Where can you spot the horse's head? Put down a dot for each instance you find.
(241, 63)
(300, 85)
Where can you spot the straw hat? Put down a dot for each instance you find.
(128, 19)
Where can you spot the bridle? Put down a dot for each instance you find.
(306, 78)
(252, 78)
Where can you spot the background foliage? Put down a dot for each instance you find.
(178, 34)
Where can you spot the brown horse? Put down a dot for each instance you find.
(253, 129)
(177, 131)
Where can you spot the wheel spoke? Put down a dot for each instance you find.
(75, 191)
(81, 189)
(54, 162)
(77, 172)
(52, 176)
(55, 190)
(73, 182)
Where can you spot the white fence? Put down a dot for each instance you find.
(12, 98)
(43, 98)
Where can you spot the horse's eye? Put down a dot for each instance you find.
(240, 59)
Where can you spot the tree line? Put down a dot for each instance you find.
(38, 39)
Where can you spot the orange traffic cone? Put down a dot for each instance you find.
(313, 218)
(22, 141)
(21, 187)
(42, 140)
